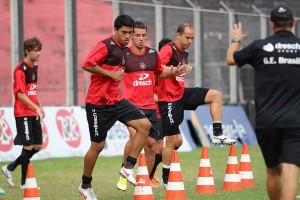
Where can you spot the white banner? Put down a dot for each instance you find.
(65, 134)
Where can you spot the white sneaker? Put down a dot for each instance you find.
(129, 175)
(165, 185)
(8, 176)
(222, 139)
(88, 194)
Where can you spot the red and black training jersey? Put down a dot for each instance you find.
(139, 82)
(103, 90)
(25, 81)
(171, 89)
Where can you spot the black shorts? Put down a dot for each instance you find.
(102, 118)
(29, 131)
(152, 117)
(279, 145)
(160, 132)
(172, 113)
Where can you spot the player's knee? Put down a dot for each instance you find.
(214, 96)
(97, 146)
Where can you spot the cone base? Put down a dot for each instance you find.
(233, 186)
(143, 197)
(248, 183)
(175, 195)
(203, 189)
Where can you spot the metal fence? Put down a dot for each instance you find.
(93, 21)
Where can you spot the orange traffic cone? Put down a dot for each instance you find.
(175, 189)
(245, 168)
(31, 191)
(205, 181)
(232, 180)
(143, 189)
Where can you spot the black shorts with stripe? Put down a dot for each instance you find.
(102, 118)
(29, 131)
(172, 113)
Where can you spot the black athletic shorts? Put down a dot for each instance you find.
(151, 114)
(160, 132)
(29, 131)
(279, 145)
(172, 113)
(102, 118)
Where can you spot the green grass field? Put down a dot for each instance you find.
(59, 178)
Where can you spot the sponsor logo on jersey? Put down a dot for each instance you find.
(269, 47)
(151, 51)
(180, 78)
(280, 47)
(142, 80)
(32, 90)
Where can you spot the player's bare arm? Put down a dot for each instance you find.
(115, 75)
(23, 97)
(236, 37)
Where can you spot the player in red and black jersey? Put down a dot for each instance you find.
(105, 104)
(28, 110)
(142, 65)
(174, 98)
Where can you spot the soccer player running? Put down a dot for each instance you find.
(142, 65)
(276, 62)
(28, 110)
(105, 104)
(174, 98)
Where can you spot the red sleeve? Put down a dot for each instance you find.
(165, 54)
(158, 68)
(96, 56)
(19, 82)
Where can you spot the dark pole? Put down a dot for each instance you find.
(74, 43)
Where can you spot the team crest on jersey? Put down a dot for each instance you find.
(33, 76)
(24, 67)
(142, 65)
(112, 43)
(183, 62)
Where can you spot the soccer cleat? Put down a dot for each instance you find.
(122, 184)
(156, 178)
(2, 192)
(8, 176)
(223, 140)
(88, 194)
(154, 183)
(165, 185)
(129, 175)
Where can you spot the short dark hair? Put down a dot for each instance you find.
(123, 20)
(31, 43)
(282, 16)
(181, 27)
(140, 25)
(163, 42)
